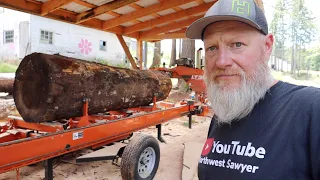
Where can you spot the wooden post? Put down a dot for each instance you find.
(139, 52)
(127, 51)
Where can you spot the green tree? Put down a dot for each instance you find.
(302, 33)
(314, 58)
(293, 27)
(279, 29)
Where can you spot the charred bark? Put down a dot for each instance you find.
(6, 85)
(52, 87)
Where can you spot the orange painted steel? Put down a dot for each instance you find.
(39, 127)
(85, 131)
(192, 76)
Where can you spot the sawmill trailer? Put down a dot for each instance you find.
(28, 143)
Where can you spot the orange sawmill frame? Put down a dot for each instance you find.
(192, 76)
(28, 146)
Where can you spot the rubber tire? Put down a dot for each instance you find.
(131, 155)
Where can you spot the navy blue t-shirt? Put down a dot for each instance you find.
(279, 139)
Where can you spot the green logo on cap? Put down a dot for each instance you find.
(241, 7)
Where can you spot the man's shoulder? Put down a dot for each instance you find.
(300, 92)
(301, 96)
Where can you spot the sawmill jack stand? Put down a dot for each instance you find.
(48, 169)
(160, 138)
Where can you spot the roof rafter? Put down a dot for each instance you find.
(85, 16)
(166, 4)
(178, 35)
(176, 8)
(200, 1)
(171, 26)
(34, 7)
(21, 5)
(84, 3)
(52, 5)
(183, 30)
(171, 17)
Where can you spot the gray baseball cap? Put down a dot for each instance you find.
(245, 11)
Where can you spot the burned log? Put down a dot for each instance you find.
(52, 87)
(6, 85)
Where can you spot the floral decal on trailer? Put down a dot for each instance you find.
(85, 46)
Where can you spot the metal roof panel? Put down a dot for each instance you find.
(98, 2)
(75, 7)
(166, 12)
(127, 24)
(181, 19)
(146, 3)
(160, 25)
(188, 5)
(105, 17)
(146, 18)
(124, 10)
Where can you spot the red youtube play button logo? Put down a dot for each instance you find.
(207, 147)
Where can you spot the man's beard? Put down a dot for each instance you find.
(233, 104)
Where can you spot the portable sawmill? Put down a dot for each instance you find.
(68, 104)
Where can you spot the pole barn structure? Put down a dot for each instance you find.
(144, 20)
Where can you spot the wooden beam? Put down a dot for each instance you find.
(137, 7)
(155, 15)
(52, 5)
(34, 1)
(153, 38)
(60, 15)
(170, 17)
(179, 31)
(200, 1)
(139, 52)
(113, 14)
(163, 29)
(176, 9)
(21, 5)
(85, 16)
(86, 4)
(166, 4)
(34, 7)
(127, 51)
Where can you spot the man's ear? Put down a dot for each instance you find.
(268, 44)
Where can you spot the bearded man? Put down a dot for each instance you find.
(262, 128)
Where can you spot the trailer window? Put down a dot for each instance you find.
(103, 45)
(46, 37)
(8, 36)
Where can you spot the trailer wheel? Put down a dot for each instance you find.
(140, 158)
